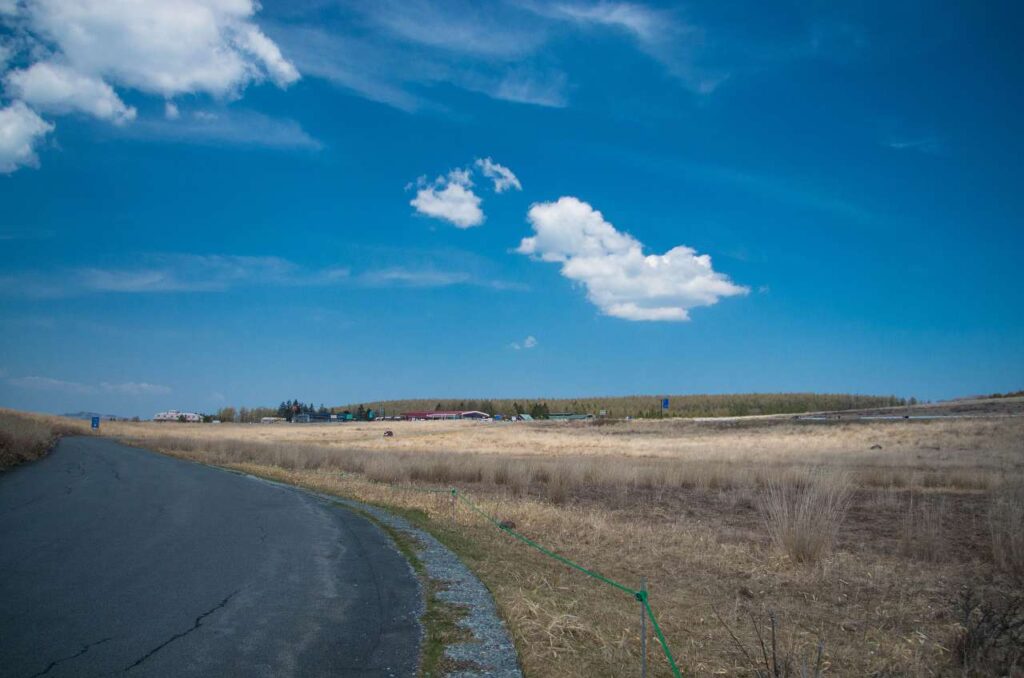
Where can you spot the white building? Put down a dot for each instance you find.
(175, 415)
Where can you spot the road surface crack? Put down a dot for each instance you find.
(85, 648)
(195, 625)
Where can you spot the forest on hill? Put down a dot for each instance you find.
(644, 406)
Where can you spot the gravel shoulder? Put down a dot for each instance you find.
(489, 651)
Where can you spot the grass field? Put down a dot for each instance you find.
(895, 546)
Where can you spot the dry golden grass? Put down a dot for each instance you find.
(682, 503)
(24, 437)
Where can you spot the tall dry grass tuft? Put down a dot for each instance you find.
(24, 437)
(922, 535)
(803, 511)
(1005, 518)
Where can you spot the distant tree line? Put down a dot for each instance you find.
(729, 405)
(618, 407)
(252, 415)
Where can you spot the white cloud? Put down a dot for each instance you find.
(404, 277)
(224, 127)
(171, 273)
(83, 49)
(398, 53)
(20, 129)
(660, 33)
(160, 47)
(134, 388)
(927, 145)
(526, 344)
(450, 198)
(619, 278)
(502, 176)
(49, 384)
(525, 87)
(641, 21)
(55, 88)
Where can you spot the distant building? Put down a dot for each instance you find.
(430, 415)
(569, 416)
(175, 415)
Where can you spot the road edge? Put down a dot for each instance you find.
(488, 650)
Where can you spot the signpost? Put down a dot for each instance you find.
(95, 423)
(664, 406)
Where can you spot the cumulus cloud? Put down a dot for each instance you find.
(79, 51)
(502, 176)
(20, 129)
(55, 88)
(526, 344)
(164, 48)
(36, 383)
(450, 198)
(619, 278)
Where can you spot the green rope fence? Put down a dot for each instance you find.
(638, 595)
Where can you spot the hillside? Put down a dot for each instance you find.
(726, 405)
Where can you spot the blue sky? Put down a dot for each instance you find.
(224, 204)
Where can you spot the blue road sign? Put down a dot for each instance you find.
(96, 423)
(664, 403)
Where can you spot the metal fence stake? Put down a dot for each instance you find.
(643, 631)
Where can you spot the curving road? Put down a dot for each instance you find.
(115, 560)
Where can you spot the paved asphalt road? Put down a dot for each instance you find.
(115, 560)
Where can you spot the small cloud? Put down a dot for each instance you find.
(502, 176)
(526, 88)
(134, 388)
(403, 277)
(223, 127)
(36, 383)
(163, 273)
(926, 145)
(21, 129)
(450, 198)
(525, 344)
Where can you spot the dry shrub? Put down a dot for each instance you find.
(989, 637)
(1005, 519)
(772, 657)
(803, 511)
